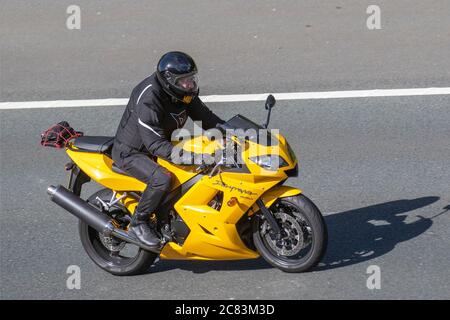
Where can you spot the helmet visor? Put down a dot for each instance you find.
(187, 83)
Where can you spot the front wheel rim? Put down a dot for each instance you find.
(296, 242)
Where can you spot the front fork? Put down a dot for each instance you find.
(268, 198)
(269, 216)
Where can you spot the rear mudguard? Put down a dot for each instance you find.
(77, 178)
(273, 194)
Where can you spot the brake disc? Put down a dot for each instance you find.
(111, 243)
(292, 239)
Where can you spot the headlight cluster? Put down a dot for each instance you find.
(269, 162)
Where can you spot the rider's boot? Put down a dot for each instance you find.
(145, 232)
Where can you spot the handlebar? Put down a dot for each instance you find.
(223, 127)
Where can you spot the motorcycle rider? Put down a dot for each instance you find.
(158, 105)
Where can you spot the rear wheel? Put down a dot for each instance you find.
(109, 253)
(303, 238)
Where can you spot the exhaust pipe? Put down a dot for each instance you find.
(91, 215)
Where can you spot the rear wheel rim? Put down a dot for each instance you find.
(112, 250)
(115, 258)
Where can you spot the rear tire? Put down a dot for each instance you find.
(297, 211)
(102, 256)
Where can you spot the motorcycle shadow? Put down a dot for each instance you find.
(207, 266)
(366, 233)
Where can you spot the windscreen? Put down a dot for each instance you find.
(247, 129)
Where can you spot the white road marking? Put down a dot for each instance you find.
(238, 98)
(62, 104)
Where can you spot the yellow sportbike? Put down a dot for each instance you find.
(227, 210)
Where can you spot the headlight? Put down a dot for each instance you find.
(269, 162)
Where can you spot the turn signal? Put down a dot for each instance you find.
(233, 201)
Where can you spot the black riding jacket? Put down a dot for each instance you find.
(152, 115)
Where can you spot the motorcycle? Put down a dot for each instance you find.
(218, 211)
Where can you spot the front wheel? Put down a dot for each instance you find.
(303, 238)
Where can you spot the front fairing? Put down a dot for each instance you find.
(280, 149)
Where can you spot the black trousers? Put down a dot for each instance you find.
(142, 167)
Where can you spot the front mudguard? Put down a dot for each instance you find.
(270, 196)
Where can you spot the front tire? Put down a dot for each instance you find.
(109, 253)
(303, 240)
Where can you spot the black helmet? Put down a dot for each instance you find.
(177, 73)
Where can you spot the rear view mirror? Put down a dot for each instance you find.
(270, 102)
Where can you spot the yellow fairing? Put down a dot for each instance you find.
(99, 168)
(213, 233)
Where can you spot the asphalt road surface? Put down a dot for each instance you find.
(378, 168)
